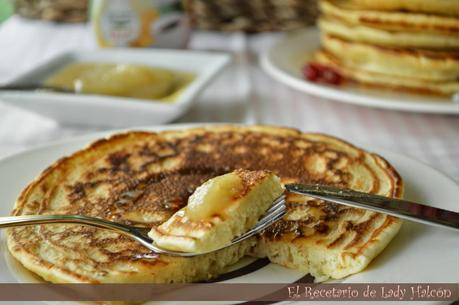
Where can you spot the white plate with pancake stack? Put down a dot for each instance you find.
(430, 254)
(400, 55)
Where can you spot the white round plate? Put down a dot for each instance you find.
(285, 59)
(418, 254)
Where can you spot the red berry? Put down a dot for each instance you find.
(321, 74)
(331, 77)
(311, 72)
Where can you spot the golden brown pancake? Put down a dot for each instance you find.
(390, 20)
(142, 178)
(387, 38)
(393, 44)
(440, 7)
(389, 81)
(389, 29)
(435, 66)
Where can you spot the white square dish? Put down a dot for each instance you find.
(111, 111)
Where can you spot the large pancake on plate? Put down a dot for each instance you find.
(390, 29)
(387, 81)
(436, 66)
(440, 7)
(385, 35)
(142, 178)
(393, 21)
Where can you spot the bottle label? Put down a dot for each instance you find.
(120, 24)
(140, 23)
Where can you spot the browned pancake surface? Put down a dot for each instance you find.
(142, 178)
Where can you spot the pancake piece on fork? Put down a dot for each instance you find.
(220, 210)
(143, 178)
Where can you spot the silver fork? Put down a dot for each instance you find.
(273, 214)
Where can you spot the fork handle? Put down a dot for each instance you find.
(26, 220)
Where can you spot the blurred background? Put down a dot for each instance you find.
(6, 9)
(33, 31)
(232, 15)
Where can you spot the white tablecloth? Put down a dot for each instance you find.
(243, 94)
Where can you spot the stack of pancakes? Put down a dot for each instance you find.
(143, 178)
(408, 45)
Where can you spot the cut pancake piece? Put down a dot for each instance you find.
(221, 209)
(409, 63)
(391, 21)
(441, 7)
(388, 81)
(388, 38)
